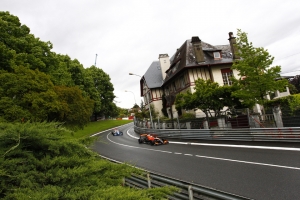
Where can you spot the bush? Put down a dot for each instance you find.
(289, 105)
(188, 116)
(41, 161)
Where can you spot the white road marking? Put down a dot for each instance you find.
(137, 147)
(248, 162)
(230, 145)
(207, 157)
(248, 146)
(107, 130)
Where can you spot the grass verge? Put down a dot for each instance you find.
(95, 127)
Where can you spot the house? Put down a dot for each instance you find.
(195, 59)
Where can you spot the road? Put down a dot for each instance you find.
(256, 171)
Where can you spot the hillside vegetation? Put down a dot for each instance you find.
(42, 161)
(41, 94)
(38, 84)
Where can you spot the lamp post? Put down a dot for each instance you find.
(133, 96)
(145, 98)
(135, 74)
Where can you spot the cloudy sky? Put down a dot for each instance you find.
(128, 36)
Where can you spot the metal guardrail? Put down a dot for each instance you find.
(284, 134)
(187, 191)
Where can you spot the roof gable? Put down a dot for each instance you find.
(153, 75)
(185, 57)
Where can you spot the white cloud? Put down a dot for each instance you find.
(129, 35)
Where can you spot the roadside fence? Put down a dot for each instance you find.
(250, 134)
(187, 191)
(243, 118)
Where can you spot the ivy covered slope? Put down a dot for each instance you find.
(37, 84)
(37, 162)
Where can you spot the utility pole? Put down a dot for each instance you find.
(96, 60)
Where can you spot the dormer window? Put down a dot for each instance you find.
(217, 55)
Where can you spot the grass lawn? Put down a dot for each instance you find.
(95, 127)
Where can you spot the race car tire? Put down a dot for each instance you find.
(140, 141)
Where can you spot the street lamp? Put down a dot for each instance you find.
(133, 95)
(135, 74)
(146, 99)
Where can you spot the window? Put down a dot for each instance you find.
(148, 97)
(167, 91)
(217, 55)
(174, 87)
(226, 75)
(182, 83)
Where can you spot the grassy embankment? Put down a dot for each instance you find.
(95, 127)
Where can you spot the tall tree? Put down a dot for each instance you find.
(26, 94)
(21, 50)
(75, 108)
(60, 71)
(208, 96)
(296, 83)
(27, 50)
(100, 89)
(256, 76)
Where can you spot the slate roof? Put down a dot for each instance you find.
(153, 75)
(185, 58)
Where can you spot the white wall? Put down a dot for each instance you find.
(216, 71)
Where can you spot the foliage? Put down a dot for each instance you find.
(122, 112)
(26, 94)
(145, 113)
(114, 112)
(164, 106)
(296, 83)
(292, 89)
(30, 72)
(100, 90)
(136, 106)
(257, 78)
(20, 48)
(98, 126)
(38, 161)
(208, 96)
(75, 109)
(188, 116)
(289, 103)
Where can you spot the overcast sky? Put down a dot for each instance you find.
(129, 35)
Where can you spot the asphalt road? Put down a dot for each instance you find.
(257, 171)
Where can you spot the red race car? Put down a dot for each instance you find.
(151, 139)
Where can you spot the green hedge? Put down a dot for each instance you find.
(289, 105)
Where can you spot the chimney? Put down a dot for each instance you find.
(198, 49)
(234, 49)
(164, 64)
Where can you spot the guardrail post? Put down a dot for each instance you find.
(123, 182)
(277, 116)
(149, 180)
(205, 124)
(188, 125)
(190, 191)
